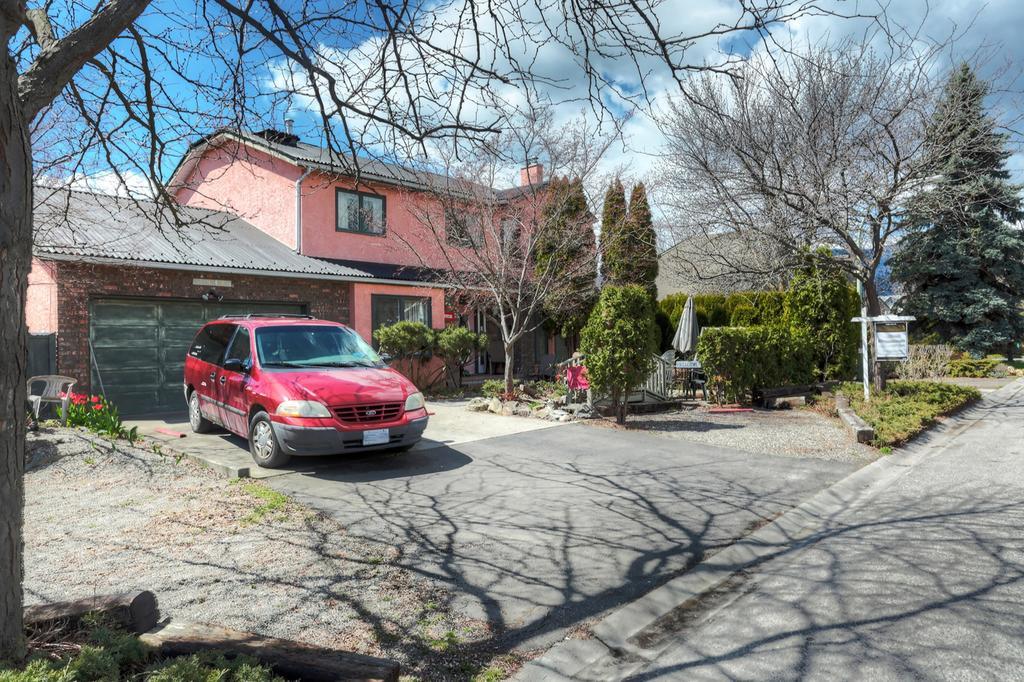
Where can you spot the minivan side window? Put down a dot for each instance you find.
(240, 346)
(210, 343)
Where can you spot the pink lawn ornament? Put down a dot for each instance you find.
(576, 378)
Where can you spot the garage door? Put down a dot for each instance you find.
(139, 346)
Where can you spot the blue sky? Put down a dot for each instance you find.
(990, 29)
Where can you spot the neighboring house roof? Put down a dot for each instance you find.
(705, 264)
(292, 149)
(102, 228)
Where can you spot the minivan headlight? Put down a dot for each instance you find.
(414, 402)
(303, 408)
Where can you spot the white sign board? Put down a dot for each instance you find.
(891, 345)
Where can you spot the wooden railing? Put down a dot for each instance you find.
(659, 382)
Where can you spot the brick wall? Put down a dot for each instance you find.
(79, 283)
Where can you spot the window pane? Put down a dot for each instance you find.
(386, 310)
(239, 347)
(373, 214)
(348, 211)
(210, 343)
(415, 310)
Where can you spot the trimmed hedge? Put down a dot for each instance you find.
(740, 360)
(716, 310)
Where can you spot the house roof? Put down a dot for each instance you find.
(86, 225)
(391, 271)
(291, 148)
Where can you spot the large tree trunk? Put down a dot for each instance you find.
(15, 261)
(510, 359)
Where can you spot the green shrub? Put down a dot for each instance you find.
(210, 667)
(99, 415)
(743, 316)
(716, 310)
(976, 368)
(492, 388)
(740, 360)
(410, 345)
(821, 302)
(906, 408)
(456, 346)
(619, 341)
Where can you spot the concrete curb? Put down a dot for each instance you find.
(221, 468)
(862, 431)
(617, 635)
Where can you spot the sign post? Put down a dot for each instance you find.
(892, 341)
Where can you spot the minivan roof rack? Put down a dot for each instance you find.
(252, 315)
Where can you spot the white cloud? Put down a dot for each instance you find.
(989, 29)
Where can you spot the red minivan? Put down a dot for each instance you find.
(295, 385)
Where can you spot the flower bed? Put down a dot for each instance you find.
(99, 415)
(906, 408)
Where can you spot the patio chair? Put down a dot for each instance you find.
(56, 390)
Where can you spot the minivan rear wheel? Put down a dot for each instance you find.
(196, 420)
(263, 445)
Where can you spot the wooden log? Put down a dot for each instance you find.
(290, 659)
(137, 612)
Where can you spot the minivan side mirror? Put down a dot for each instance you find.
(386, 357)
(236, 365)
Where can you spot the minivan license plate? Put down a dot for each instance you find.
(376, 437)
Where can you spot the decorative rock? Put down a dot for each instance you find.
(477, 405)
(542, 412)
(522, 410)
(556, 415)
(508, 409)
(566, 418)
(494, 406)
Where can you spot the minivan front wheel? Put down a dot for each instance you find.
(263, 445)
(196, 420)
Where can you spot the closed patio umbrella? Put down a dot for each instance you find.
(685, 339)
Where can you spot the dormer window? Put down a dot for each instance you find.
(360, 212)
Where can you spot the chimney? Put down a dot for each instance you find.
(532, 173)
(289, 126)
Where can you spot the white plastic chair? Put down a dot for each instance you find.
(56, 389)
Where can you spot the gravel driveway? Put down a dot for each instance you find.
(105, 517)
(798, 432)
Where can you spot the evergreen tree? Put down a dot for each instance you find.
(820, 304)
(614, 252)
(566, 244)
(961, 262)
(642, 242)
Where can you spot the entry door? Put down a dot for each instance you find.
(481, 355)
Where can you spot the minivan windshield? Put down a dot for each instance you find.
(313, 346)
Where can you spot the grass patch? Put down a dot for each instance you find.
(272, 503)
(906, 408)
(98, 651)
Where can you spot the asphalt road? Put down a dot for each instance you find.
(924, 579)
(537, 531)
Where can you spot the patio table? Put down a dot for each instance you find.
(691, 374)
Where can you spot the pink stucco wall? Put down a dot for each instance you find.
(406, 241)
(362, 311)
(247, 182)
(260, 188)
(41, 302)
